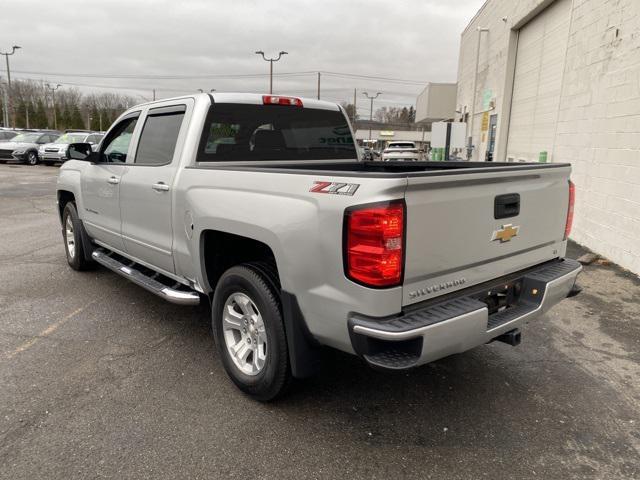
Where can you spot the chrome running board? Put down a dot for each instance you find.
(170, 294)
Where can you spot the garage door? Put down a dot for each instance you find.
(542, 44)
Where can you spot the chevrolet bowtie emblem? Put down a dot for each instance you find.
(506, 233)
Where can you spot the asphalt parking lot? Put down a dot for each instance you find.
(99, 378)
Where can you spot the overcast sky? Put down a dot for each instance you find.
(416, 40)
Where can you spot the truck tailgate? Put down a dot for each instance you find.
(454, 239)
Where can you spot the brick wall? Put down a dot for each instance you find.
(598, 123)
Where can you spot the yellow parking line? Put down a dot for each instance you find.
(47, 331)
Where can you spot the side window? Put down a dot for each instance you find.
(91, 139)
(116, 147)
(159, 136)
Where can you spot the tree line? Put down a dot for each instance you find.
(391, 115)
(33, 107)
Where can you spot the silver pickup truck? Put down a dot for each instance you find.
(260, 205)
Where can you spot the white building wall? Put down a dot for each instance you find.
(598, 118)
(436, 102)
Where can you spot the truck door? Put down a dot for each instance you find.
(101, 185)
(146, 190)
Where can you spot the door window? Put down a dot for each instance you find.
(159, 137)
(116, 147)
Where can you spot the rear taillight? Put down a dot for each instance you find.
(572, 201)
(374, 244)
(278, 100)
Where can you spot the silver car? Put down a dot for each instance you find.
(24, 146)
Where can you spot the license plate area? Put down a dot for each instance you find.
(502, 297)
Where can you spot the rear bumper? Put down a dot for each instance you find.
(431, 331)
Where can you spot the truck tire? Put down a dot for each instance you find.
(31, 157)
(72, 237)
(249, 332)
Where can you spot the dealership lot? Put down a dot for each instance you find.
(100, 378)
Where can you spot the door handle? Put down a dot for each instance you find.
(113, 180)
(160, 187)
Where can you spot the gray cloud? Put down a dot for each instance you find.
(417, 39)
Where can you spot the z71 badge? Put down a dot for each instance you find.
(334, 188)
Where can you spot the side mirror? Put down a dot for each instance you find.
(80, 151)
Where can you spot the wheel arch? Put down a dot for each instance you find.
(220, 250)
(64, 197)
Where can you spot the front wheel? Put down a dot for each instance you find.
(32, 158)
(71, 234)
(249, 332)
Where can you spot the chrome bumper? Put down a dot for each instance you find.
(435, 331)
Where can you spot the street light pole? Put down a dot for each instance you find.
(271, 60)
(366, 94)
(53, 103)
(6, 57)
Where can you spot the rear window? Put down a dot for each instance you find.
(240, 132)
(401, 145)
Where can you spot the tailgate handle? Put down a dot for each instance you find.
(506, 206)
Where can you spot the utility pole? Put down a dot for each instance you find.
(53, 102)
(318, 85)
(26, 108)
(5, 104)
(473, 103)
(154, 94)
(271, 60)
(355, 109)
(371, 111)
(6, 57)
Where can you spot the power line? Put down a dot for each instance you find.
(114, 87)
(227, 76)
(165, 77)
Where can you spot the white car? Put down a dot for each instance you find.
(401, 152)
(57, 151)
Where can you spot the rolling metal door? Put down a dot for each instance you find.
(540, 59)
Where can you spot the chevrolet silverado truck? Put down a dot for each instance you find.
(260, 205)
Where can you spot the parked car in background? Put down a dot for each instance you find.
(56, 152)
(401, 152)
(24, 146)
(6, 135)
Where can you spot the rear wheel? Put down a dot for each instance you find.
(249, 332)
(71, 234)
(32, 158)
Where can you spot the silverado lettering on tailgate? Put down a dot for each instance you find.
(436, 288)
